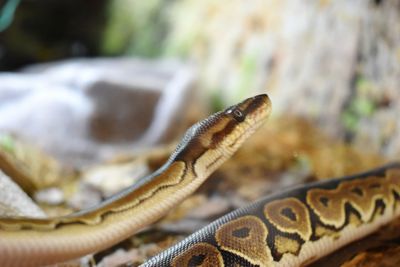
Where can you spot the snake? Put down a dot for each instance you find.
(293, 227)
(205, 146)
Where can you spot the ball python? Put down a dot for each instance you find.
(294, 227)
(204, 147)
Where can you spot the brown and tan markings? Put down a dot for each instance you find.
(303, 224)
(393, 177)
(328, 205)
(284, 245)
(246, 237)
(200, 255)
(320, 231)
(199, 148)
(173, 176)
(362, 195)
(38, 242)
(289, 215)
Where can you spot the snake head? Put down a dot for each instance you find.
(210, 142)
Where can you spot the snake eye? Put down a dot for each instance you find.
(238, 115)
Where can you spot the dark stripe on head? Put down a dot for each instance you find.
(251, 104)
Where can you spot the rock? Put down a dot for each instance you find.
(82, 111)
(15, 202)
(112, 178)
(85, 197)
(29, 167)
(127, 122)
(51, 196)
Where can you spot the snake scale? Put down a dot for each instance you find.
(294, 227)
(205, 146)
(290, 228)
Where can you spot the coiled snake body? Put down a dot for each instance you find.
(291, 228)
(294, 227)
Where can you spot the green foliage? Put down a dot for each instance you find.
(248, 72)
(361, 106)
(349, 120)
(135, 28)
(217, 102)
(7, 143)
(181, 46)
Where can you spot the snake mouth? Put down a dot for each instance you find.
(245, 134)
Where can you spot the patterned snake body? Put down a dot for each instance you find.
(294, 227)
(291, 228)
(206, 145)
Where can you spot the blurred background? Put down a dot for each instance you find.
(335, 63)
(86, 82)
